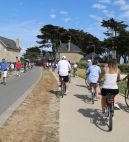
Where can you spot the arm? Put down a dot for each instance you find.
(69, 66)
(102, 74)
(126, 77)
(118, 76)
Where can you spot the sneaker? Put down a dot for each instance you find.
(66, 92)
(116, 106)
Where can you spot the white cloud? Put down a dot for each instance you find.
(63, 12)
(67, 19)
(99, 6)
(97, 18)
(52, 16)
(122, 4)
(109, 13)
(105, 1)
(125, 15)
(97, 30)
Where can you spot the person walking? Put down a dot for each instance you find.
(4, 67)
(18, 66)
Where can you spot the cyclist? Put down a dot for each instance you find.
(111, 74)
(63, 68)
(4, 66)
(75, 70)
(93, 72)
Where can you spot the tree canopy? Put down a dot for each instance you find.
(85, 41)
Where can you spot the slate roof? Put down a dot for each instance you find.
(73, 48)
(9, 43)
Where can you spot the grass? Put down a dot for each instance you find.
(121, 85)
(81, 73)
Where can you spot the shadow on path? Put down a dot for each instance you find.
(56, 93)
(85, 98)
(81, 85)
(124, 107)
(95, 118)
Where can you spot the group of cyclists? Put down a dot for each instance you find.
(110, 74)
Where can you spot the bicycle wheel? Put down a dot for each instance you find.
(110, 119)
(127, 97)
(63, 89)
(93, 96)
(86, 82)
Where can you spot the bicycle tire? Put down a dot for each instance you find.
(93, 94)
(127, 97)
(62, 90)
(110, 118)
(86, 82)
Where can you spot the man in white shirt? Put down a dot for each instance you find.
(63, 68)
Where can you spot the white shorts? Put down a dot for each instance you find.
(4, 73)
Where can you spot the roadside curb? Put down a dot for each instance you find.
(5, 115)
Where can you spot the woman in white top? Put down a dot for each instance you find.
(111, 74)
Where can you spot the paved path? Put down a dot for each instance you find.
(80, 120)
(15, 91)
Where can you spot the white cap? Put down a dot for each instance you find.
(89, 60)
(63, 57)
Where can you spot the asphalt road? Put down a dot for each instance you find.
(16, 87)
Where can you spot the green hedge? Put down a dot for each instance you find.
(123, 67)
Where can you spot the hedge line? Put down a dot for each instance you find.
(123, 67)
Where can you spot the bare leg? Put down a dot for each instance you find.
(66, 86)
(97, 91)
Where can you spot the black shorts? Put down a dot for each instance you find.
(105, 92)
(65, 78)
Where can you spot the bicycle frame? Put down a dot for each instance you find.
(93, 91)
(110, 109)
(63, 86)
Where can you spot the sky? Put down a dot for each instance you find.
(23, 19)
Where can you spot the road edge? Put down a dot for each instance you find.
(6, 114)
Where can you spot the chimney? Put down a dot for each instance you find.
(17, 43)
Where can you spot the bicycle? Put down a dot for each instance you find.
(110, 109)
(93, 92)
(69, 77)
(63, 86)
(127, 96)
(86, 82)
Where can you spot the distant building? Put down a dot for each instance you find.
(9, 49)
(71, 51)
